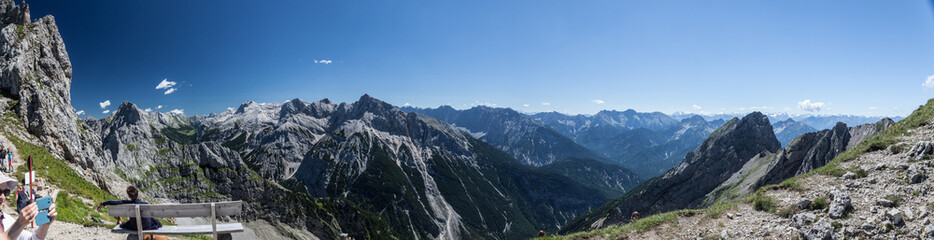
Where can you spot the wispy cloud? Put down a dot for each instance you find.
(104, 104)
(598, 101)
(177, 111)
(106, 111)
(165, 84)
(324, 61)
(159, 107)
(929, 83)
(873, 107)
(809, 106)
(525, 105)
(148, 109)
(79, 113)
(546, 104)
(696, 107)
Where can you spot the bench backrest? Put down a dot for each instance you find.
(177, 210)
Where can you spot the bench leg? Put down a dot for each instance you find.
(224, 236)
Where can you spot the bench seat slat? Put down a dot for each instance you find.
(176, 210)
(189, 229)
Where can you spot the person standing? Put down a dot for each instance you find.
(10, 152)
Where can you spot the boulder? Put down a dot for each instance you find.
(804, 204)
(895, 216)
(838, 207)
(849, 175)
(915, 174)
(822, 230)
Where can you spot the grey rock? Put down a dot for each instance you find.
(915, 174)
(849, 175)
(821, 230)
(802, 220)
(839, 205)
(921, 149)
(885, 203)
(804, 204)
(895, 216)
(929, 232)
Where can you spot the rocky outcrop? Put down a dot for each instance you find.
(701, 171)
(35, 72)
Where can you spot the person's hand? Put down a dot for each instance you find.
(52, 213)
(28, 213)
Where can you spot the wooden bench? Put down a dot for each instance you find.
(185, 210)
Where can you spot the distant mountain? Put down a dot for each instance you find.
(828, 122)
(701, 171)
(647, 143)
(573, 126)
(534, 144)
(425, 178)
(512, 132)
(733, 162)
(789, 129)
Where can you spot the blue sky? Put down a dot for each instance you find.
(845, 57)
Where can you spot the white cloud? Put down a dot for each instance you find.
(177, 111)
(79, 113)
(324, 61)
(148, 109)
(546, 104)
(525, 105)
(106, 111)
(759, 107)
(873, 107)
(159, 107)
(929, 83)
(104, 104)
(406, 104)
(696, 107)
(809, 106)
(170, 91)
(165, 84)
(598, 101)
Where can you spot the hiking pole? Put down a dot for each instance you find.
(32, 195)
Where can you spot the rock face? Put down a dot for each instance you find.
(35, 72)
(713, 162)
(615, 179)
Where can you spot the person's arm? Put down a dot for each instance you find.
(43, 230)
(109, 202)
(25, 217)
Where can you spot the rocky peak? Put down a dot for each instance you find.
(12, 14)
(127, 113)
(696, 120)
(245, 106)
(740, 138)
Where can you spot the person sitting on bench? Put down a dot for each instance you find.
(133, 193)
